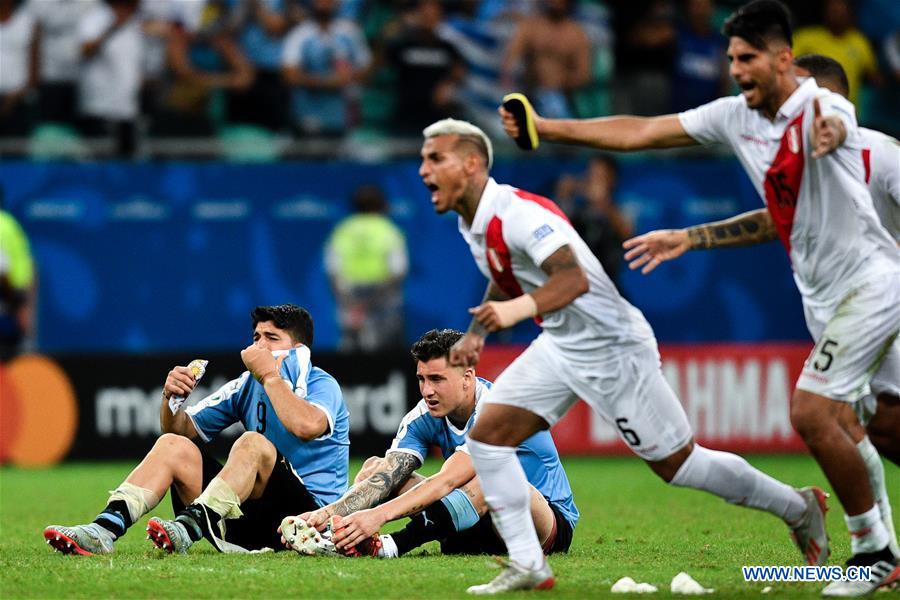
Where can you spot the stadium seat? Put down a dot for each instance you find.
(247, 143)
(53, 141)
(377, 100)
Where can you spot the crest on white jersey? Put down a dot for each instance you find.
(494, 260)
(794, 139)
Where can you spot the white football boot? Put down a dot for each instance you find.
(809, 533)
(515, 577)
(303, 539)
(885, 573)
(80, 539)
(170, 536)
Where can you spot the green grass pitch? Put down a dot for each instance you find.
(631, 524)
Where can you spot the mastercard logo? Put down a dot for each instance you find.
(38, 412)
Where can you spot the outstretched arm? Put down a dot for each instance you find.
(455, 472)
(622, 133)
(395, 470)
(651, 249)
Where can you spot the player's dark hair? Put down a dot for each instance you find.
(759, 23)
(292, 318)
(823, 68)
(435, 344)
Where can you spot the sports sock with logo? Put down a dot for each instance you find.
(508, 495)
(731, 477)
(194, 521)
(449, 515)
(433, 523)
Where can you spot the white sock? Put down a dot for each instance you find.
(139, 500)
(867, 532)
(875, 469)
(731, 477)
(508, 496)
(388, 547)
(219, 496)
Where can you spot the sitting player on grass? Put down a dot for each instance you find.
(294, 452)
(449, 505)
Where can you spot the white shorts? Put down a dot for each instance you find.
(857, 352)
(626, 387)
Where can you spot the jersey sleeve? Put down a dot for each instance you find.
(709, 123)
(537, 232)
(93, 24)
(414, 436)
(361, 56)
(325, 394)
(886, 164)
(835, 105)
(292, 50)
(218, 410)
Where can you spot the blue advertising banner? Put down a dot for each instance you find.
(153, 257)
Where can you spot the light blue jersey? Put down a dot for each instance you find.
(321, 464)
(323, 53)
(419, 431)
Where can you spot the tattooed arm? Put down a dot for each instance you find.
(394, 471)
(651, 249)
(455, 473)
(747, 229)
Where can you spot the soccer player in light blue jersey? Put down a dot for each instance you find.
(293, 454)
(448, 506)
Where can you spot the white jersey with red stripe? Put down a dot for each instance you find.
(821, 207)
(881, 163)
(513, 233)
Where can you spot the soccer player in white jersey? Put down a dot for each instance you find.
(880, 152)
(594, 346)
(449, 505)
(880, 416)
(293, 454)
(801, 148)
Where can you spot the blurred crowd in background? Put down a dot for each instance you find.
(272, 78)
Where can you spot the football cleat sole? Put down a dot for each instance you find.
(63, 543)
(157, 534)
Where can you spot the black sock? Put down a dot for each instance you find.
(867, 559)
(115, 518)
(194, 519)
(433, 523)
